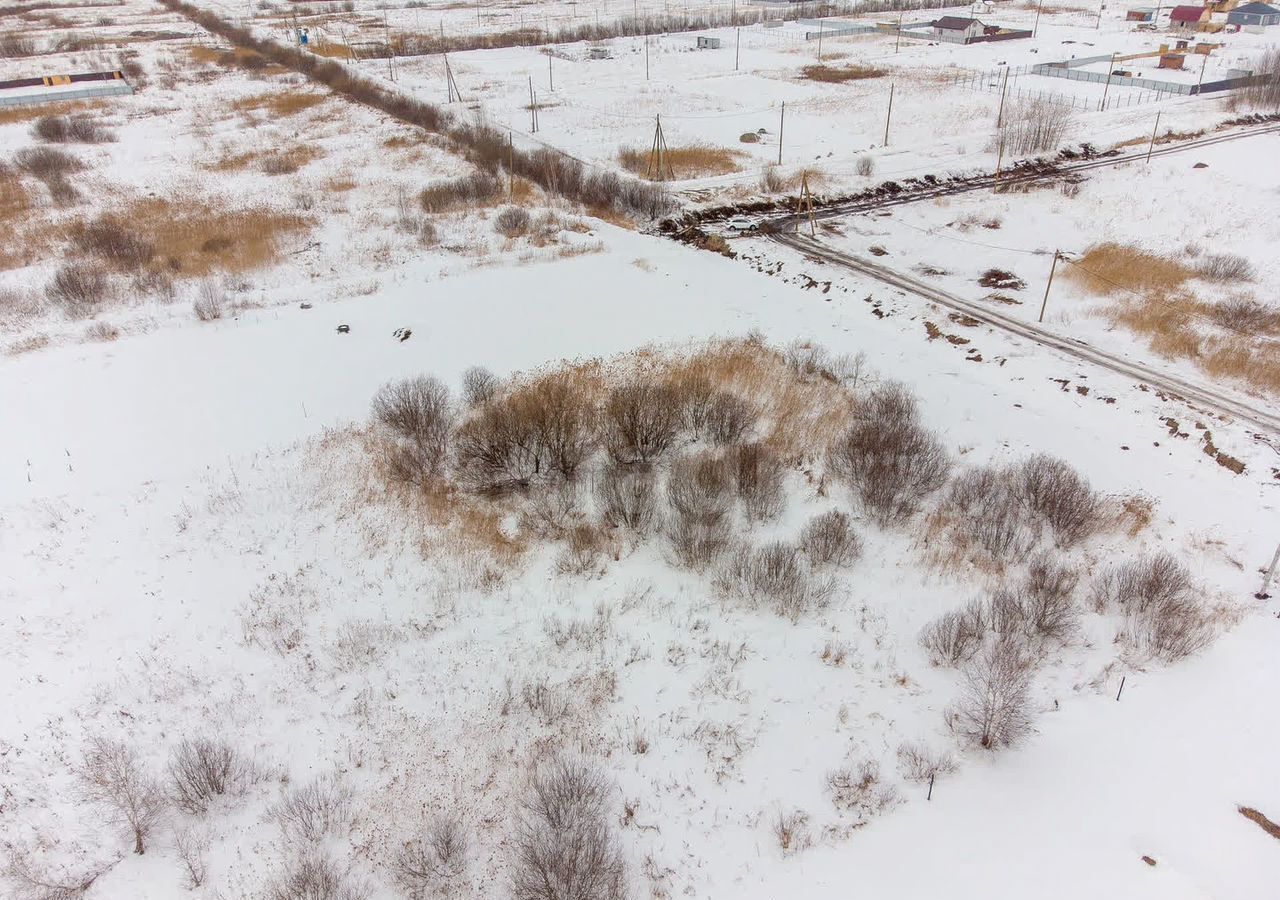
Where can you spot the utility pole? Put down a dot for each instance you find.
(805, 202)
(1200, 80)
(888, 115)
(1036, 26)
(511, 166)
(533, 108)
(1107, 87)
(821, 23)
(646, 57)
(1152, 145)
(551, 78)
(1052, 268)
(655, 168)
(1266, 580)
(898, 43)
(782, 121)
(1004, 87)
(1099, 22)
(386, 31)
(737, 50)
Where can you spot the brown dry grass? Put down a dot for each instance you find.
(1110, 268)
(278, 104)
(1256, 817)
(14, 115)
(16, 205)
(689, 161)
(238, 57)
(841, 74)
(196, 237)
(1152, 301)
(272, 161)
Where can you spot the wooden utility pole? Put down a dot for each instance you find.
(533, 107)
(1052, 269)
(999, 156)
(454, 93)
(888, 115)
(1200, 80)
(898, 43)
(1004, 87)
(386, 36)
(551, 78)
(737, 49)
(1152, 145)
(1107, 87)
(1266, 579)
(1036, 26)
(654, 171)
(821, 24)
(511, 166)
(805, 204)
(646, 57)
(782, 121)
(1099, 22)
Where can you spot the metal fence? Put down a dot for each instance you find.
(993, 81)
(105, 89)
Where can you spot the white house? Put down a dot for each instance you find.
(956, 26)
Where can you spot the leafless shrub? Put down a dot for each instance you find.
(33, 882)
(564, 844)
(313, 875)
(918, 763)
(555, 510)
(565, 423)
(835, 653)
(994, 709)
(1033, 126)
(1246, 315)
(549, 703)
(209, 301)
(309, 812)
(697, 544)
(627, 497)
(1163, 613)
(1061, 497)
(78, 289)
(465, 192)
(757, 476)
(113, 241)
(418, 416)
(478, 386)
(695, 393)
(791, 831)
(77, 129)
(436, 860)
(497, 448)
(699, 487)
(47, 163)
(584, 546)
(1226, 267)
(15, 46)
(202, 769)
(113, 777)
(956, 635)
(866, 166)
(101, 331)
(774, 575)
(1048, 598)
(729, 418)
(1006, 616)
(829, 540)
(1264, 93)
(642, 420)
(192, 845)
(772, 181)
(991, 512)
(512, 222)
(889, 459)
(1142, 583)
(860, 791)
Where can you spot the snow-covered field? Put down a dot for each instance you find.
(199, 538)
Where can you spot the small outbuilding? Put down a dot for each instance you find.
(1189, 18)
(708, 43)
(1258, 15)
(1141, 14)
(957, 26)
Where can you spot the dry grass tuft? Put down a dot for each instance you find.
(278, 104)
(841, 74)
(196, 237)
(1110, 268)
(689, 161)
(16, 208)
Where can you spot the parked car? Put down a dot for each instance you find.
(742, 223)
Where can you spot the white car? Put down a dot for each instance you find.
(742, 223)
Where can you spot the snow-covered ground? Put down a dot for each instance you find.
(195, 541)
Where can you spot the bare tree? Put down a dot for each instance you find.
(1033, 126)
(419, 416)
(312, 875)
(626, 497)
(1061, 497)
(565, 847)
(192, 845)
(114, 777)
(829, 539)
(33, 882)
(643, 419)
(994, 709)
(309, 812)
(478, 386)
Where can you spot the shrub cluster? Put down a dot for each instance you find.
(1161, 605)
